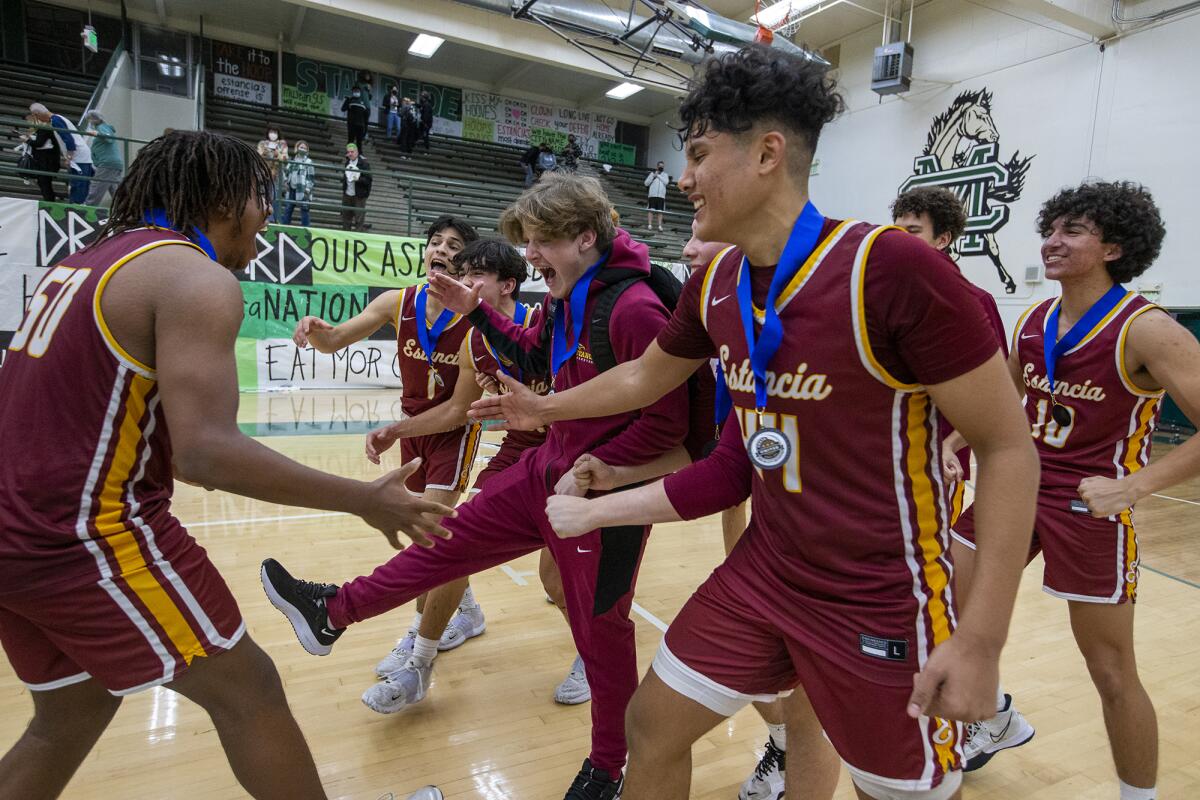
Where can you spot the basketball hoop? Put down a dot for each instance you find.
(784, 26)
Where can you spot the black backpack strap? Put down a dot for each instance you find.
(599, 343)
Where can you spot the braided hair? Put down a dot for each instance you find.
(192, 176)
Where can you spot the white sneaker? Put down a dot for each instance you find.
(766, 782)
(404, 687)
(467, 624)
(574, 689)
(988, 737)
(424, 793)
(399, 655)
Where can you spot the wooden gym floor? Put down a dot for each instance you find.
(489, 728)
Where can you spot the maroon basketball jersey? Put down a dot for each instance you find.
(420, 390)
(87, 458)
(856, 517)
(1112, 420)
(487, 360)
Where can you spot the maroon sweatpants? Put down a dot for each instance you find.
(506, 520)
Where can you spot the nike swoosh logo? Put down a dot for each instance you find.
(326, 632)
(480, 358)
(581, 550)
(1025, 336)
(406, 319)
(720, 299)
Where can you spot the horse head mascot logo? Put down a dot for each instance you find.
(961, 154)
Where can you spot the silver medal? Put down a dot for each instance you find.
(768, 448)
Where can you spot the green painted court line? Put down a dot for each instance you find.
(1185, 581)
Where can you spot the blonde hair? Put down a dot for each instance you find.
(560, 206)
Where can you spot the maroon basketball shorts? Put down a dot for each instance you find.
(446, 459)
(1087, 559)
(742, 637)
(153, 605)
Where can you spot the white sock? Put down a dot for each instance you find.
(778, 735)
(416, 623)
(1134, 793)
(999, 698)
(424, 649)
(468, 600)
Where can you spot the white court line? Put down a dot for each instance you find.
(516, 576)
(653, 620)
(264, 519)
(1176, 499)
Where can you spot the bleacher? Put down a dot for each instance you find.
(65, 93)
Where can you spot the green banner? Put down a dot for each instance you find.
(615, 153)
(271, 311)
(364, 259)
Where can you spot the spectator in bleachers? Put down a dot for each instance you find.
(410, 126)
(274, 149)
(546, 161)
(357, 114)
(356, 188)
(74, 153)
(299, 175)
(656, 195)
(47, 151)
(571, 153)
(106, 158)
(529, 163)
(393, 113)
(425, 110)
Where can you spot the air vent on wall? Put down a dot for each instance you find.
(891, 72)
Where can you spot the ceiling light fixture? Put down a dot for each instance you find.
(623, 90)
(425, 45)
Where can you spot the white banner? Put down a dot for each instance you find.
(241, 89)
(283, 365)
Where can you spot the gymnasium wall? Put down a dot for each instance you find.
(1127, 113)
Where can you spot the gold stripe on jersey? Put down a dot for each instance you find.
(706, 285)
(120, 352)
(1020, 326)
(474, 434)
(1131, 555)
(925, 502)
(859, 315)
(126, 548)
(1130, 386)
(1137, 445)
(815, 259)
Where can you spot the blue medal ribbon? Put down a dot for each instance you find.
(1053, 350)
(428, 337)
(519, 317)
(157, 217)
(806, 232)
(560, 349)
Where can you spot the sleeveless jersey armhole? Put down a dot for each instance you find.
(1130, 386)
(859, 315)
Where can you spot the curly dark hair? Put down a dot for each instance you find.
(944, 208)
(494, 256)
(756, 84)
(1124, 212)
(465, 229)
(192, 176)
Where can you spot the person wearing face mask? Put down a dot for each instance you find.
(356, 188)
(357, 114)
(393, 113)
(106, 158)
(410, 125)
(298, 178)
(656, 199)
(274, 149)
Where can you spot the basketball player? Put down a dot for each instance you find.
(564, 221)
(498, 270)
(841, 584)
(427, 350)
(1093, 365)
(935, 215)
(104, 592)
(767, 780)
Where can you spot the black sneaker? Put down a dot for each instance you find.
(303, 603)
(594, 784)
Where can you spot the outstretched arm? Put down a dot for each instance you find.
(443, 417)
(328, 338)
(527, 347)
(1159, 353)
(197, 314)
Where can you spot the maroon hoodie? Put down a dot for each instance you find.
(635, 437)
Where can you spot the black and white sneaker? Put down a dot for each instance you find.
(594, 784)
(303, 603)
(767, 780)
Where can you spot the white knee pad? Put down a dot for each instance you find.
(887, 789)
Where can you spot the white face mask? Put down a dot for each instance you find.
(272, 136)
